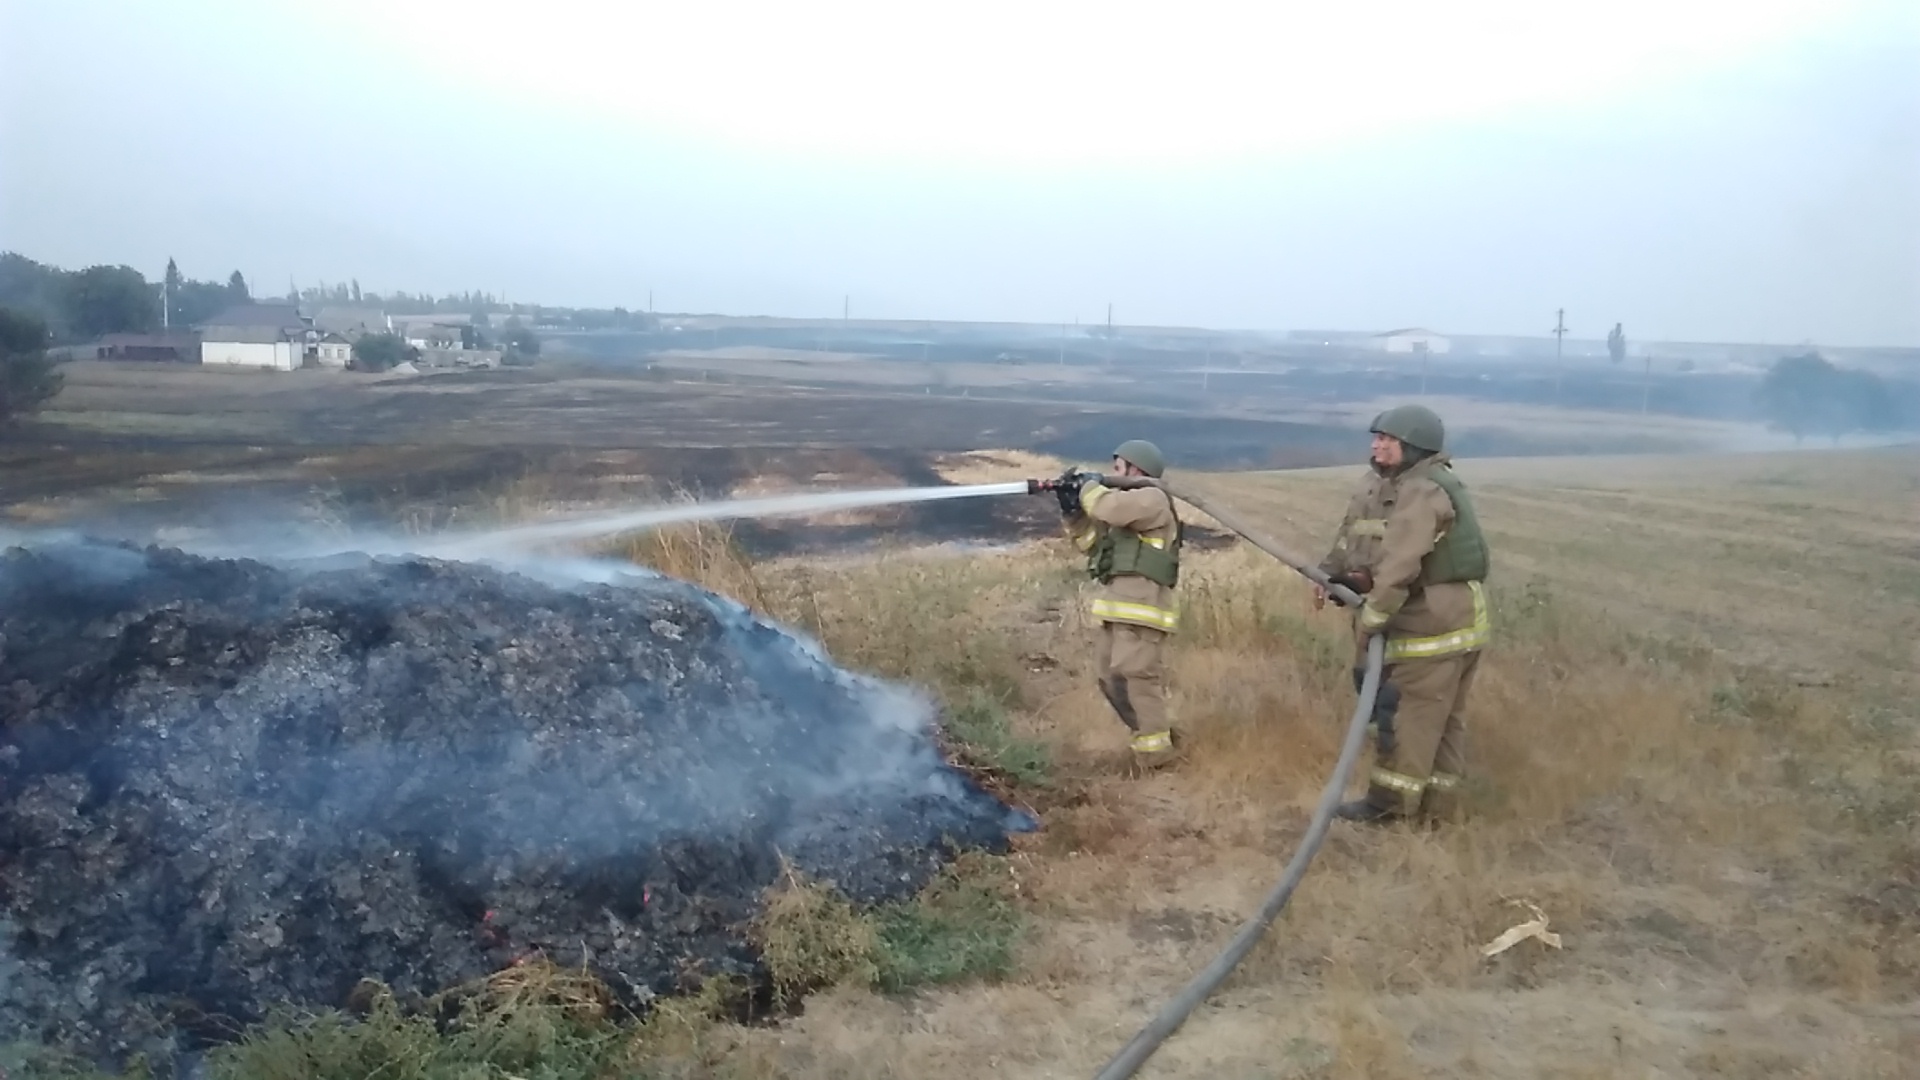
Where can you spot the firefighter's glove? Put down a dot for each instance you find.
(1067, 491)
(1359, 581)
(1370, 621)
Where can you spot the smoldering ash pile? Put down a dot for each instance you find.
(227, 784)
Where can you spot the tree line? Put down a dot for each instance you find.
(478, 304)
(384, 351)
(81, 305)
(1807, 394)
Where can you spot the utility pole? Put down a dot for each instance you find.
(1061, 359)
(1646, 386)
(649, 301)
(846, 305)
(1559, 340)
(1424, 352)
(166, 323)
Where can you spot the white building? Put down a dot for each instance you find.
(332, 351)
(251, 347)
(433, 336)
(273, 337)
(1409, 340)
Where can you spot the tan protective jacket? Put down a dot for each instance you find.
(1392, 523)
(1148, 511)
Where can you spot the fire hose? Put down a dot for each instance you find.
(1175, 1012)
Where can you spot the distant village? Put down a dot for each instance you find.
(280, 336)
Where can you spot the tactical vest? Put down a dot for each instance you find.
(1460, 554)
(1122, 551)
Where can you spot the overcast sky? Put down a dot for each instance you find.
(1700, 171)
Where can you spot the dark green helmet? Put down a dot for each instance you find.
(1143, 455)
(1415, 425)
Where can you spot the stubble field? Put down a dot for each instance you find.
(1695, 748)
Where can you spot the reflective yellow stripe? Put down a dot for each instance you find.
(1400, 782)
(1084, 539)
(1157, 741)
(1154, 542)
(1091, 494)
(1372, 617)
(1443, 781)
(1451, 642)
(1142, 614)
(1373, 527)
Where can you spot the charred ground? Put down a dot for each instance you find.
(228, 785)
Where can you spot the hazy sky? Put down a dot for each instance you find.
(1705, 171)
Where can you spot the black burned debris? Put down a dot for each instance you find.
(226, 784)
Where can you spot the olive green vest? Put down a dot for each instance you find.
(1122, 551)
(1460, 555)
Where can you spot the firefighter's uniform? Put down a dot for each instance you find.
(1413, 530)
(1132, 538)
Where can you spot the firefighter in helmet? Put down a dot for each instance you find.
(1410, 543)
(1132, 537)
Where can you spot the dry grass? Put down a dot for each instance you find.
(812, 938)
(997, 466)
(703, 552)
(1706, 830)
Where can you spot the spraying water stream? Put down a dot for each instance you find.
(469, 544)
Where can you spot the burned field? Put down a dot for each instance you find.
(568, 407)
(132, 451)
(226, 784)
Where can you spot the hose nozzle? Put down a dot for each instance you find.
(1069, 480)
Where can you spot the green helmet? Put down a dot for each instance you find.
(1415, 425)
(1143, 455)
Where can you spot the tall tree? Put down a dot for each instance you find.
(1806, 395)
(170, 295)
(1616, 344)
(522, 340)
(199, 301)
(110, 299)
(379, 352)
(31, 286)
(27, 376)
(237, 292)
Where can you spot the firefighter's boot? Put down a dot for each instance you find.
(1364, 811)
(1152, 750)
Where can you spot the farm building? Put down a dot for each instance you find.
(332, 351)
(438, 334)
(1409, 340)
(269, 336)
(165, 346)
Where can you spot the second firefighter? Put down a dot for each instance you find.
(1411, 544)
(1132, 538)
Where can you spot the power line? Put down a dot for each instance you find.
(1559, 341)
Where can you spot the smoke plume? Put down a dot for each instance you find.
(226, 783)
